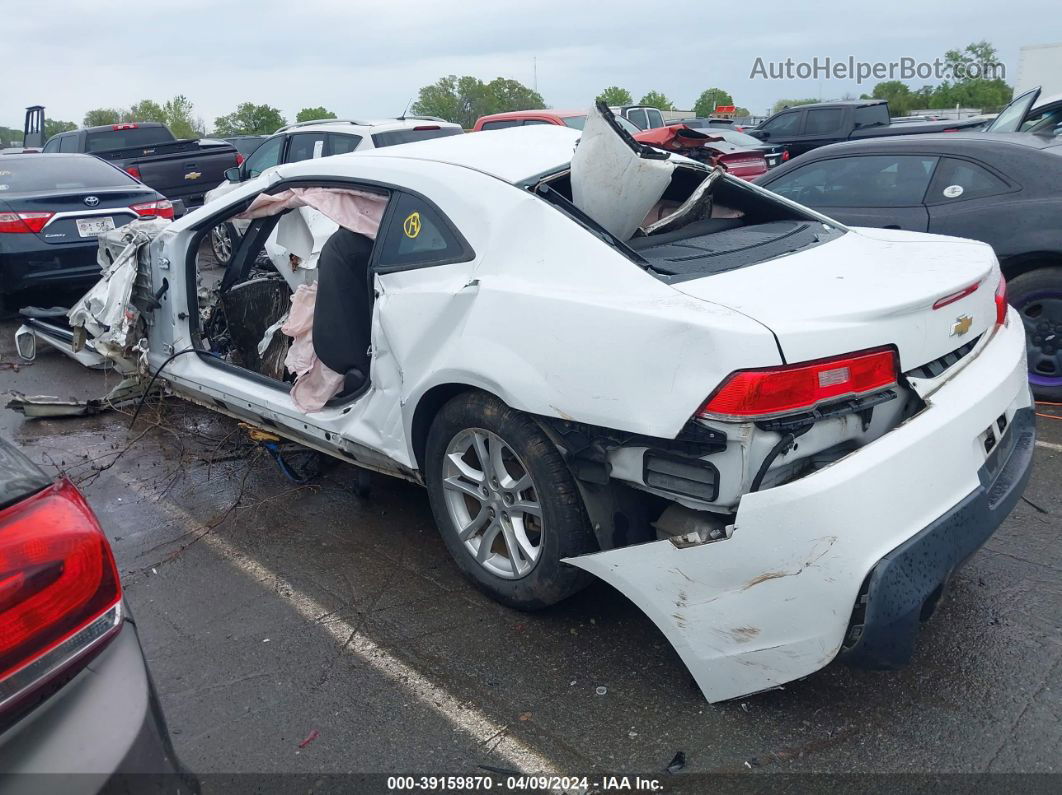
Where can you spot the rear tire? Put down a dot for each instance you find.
(1037, 295)
(505, 503)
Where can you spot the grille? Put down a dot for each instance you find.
(938, 367)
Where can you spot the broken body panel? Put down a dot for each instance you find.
(584, 316)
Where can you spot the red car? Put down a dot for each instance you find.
(738, 161)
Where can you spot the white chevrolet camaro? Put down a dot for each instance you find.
(776, 435)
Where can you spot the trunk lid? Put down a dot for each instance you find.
(865, 289)
(82, 204)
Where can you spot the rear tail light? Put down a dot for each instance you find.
(125, 126)
(162, 208)
(239, 159)
(59, 588)
(427, 127)
(21, 223)
(774, 391)
(785, 155)
(1001, 302)
(133, 171)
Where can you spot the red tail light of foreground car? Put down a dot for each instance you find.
(776, 391)
(60, 594)
(157, 209)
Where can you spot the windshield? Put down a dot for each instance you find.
(422, 133)
(59, 172)
(577, 123)
(1010, 119)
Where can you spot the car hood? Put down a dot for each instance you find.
(868, 288)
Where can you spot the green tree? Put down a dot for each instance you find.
(11, 136)
(53, 127)
(899, 95)
(101, 116)
(145, 110)
(741, 113)
(312, 114)
(465, 99)
(178, 114)
(249, 119)
(615, 96)
(791, 103)
(654, 99)
(708, 100)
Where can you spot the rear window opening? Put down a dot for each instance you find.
(423, 132)
(703, 224)
(126, 138)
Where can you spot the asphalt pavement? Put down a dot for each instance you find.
(303, 629)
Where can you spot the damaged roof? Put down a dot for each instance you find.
(512, 155)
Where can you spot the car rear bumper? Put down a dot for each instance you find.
(777, 600)
(33, 264)
(103, 728)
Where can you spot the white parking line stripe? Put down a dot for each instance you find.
(1049, 446)
(463, 717)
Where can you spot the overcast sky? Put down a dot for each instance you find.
(369, 57)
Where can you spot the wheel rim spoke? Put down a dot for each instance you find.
(457, 484)
(486, 541)
(516, 559)
(466, 470)
(475, 524)
(527, 506)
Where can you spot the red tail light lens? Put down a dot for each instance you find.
(158, 209)
(133, 171)
(125, 126)
(239, 159)
(57, 575)
(799, 387)
(785, 155)
(21, 223)
(1001, 302)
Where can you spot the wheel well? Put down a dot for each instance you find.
(1023, 263)
(429, 405)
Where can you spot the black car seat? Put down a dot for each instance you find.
(343, 314)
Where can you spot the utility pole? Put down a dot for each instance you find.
(534, 67)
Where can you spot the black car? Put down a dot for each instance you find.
(773, 154)
(999, 188)
(52, 208)
(75, 695)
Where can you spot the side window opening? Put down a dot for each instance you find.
(68, 143)
(785, 122)
(871, 181)
(341, 143)
(416, 234)
(265, 156)
(258, 311)
(305, 146)
(52, 145)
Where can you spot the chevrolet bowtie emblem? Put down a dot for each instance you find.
(193, 175)
(962, 325)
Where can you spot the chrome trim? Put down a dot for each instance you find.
(83, 213)
(40, 670)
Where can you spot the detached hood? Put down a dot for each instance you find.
(867, 288)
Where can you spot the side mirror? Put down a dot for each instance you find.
(234, 174)
(763, 135)
(26, 343)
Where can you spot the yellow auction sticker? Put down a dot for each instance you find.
(411, 226)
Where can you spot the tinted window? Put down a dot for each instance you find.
(626, 125)
(126, 139)
(501, 124)
(655, 119)
(68, 143)
(22, 173)
(52, 145)
(783, 123)
(265, 156)
(638, 119)
(1044, 122)
(960, 179)
(528, 122)
(424, 133)
(871, 115)
(341, 144)
(576, 122)
(418, 235)
(305, 146)
(823, 120)
(245, 145)
(872, 181)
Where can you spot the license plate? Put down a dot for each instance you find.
(92, 227)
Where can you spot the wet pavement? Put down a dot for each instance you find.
(301, 628)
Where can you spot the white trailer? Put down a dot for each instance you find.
(1040, 65)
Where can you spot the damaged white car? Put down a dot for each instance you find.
(776, 435)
